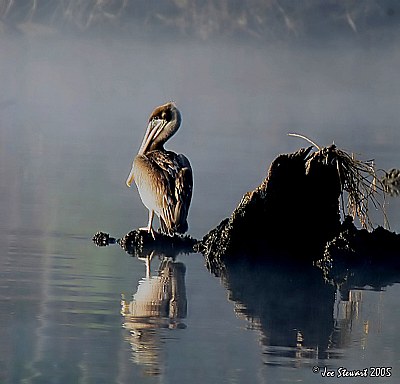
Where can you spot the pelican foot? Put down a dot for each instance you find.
(149, 230)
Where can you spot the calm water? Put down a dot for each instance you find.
(72, 114)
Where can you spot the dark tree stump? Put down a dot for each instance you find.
(295, 210)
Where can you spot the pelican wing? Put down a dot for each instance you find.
(183, 194)
(176, 173)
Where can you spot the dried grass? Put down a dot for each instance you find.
(359, 180)
(359, 184)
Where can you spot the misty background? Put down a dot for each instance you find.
(78, 82)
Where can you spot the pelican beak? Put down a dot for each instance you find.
(130, 179)
(153, 130)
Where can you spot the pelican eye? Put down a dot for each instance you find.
(166, 115)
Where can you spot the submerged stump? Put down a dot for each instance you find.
(359, 258)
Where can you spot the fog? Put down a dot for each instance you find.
(68, 101)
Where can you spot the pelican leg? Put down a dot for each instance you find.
(149, 227)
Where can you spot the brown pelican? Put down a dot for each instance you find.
(163, 178)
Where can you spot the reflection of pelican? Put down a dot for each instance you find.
(159, 303)
(161, 296)
(164, 179)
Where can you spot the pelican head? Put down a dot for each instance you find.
(163, 123)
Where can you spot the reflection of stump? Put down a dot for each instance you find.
(283, 301)
(295, 208)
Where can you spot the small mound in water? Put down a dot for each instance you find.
(102, 239)
(140, 243)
